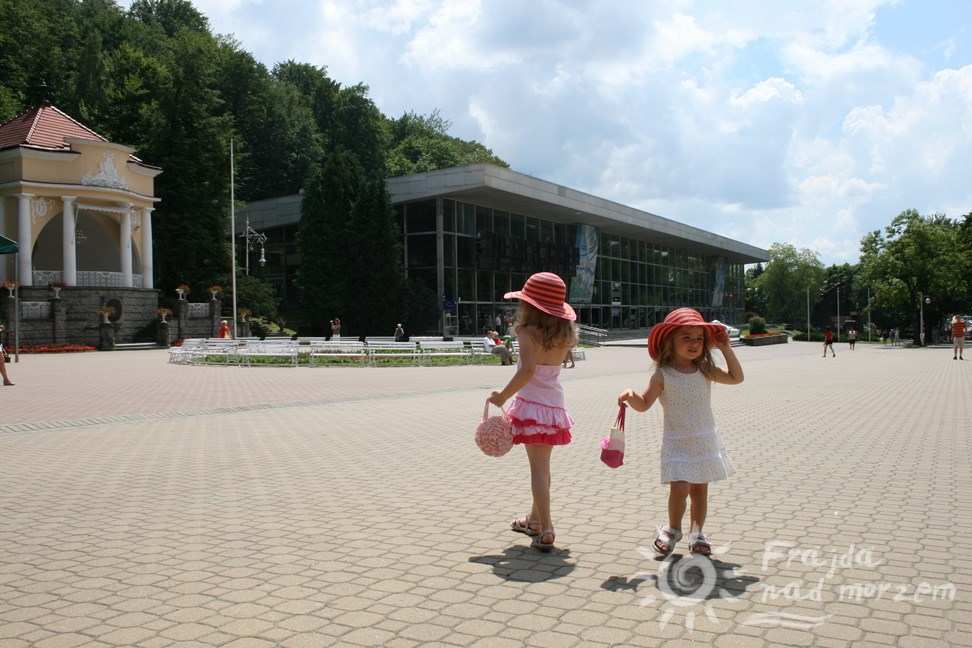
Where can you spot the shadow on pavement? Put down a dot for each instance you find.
(527, 565)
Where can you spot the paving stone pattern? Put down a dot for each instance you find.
(147, 504)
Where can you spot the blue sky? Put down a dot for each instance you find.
(809, 122)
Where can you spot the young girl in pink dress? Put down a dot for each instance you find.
(692, 453)
(544, 326)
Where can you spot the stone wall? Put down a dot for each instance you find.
(74, 318)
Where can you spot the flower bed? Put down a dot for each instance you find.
(762, 339)
(54, 348)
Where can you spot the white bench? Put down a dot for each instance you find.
(337, 349)
(579, 353)
(181, 354)
(434, 350)
(209, 348)
(286, 349)
(379, 351)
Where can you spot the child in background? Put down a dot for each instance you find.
(544, 326)
(829, 342)
(692, 453)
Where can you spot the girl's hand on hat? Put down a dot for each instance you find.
(721, 338)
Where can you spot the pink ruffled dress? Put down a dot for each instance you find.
(537, 411)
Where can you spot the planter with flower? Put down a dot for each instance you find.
(57, 287)
(215, 290)
(106, 312)
(243, 313)
(183, 290)
(11, 286)
(163, 313)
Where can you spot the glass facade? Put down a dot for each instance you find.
(471, 255)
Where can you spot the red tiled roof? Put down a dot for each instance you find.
(44, 126)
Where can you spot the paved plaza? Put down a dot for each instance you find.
(148, 504)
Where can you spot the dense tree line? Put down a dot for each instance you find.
(917, 265)
(157, 79)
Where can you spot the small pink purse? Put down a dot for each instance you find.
(494, 435)
(612, 446)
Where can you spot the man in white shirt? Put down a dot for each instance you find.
(490, 346)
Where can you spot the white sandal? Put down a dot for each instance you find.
(699, 544)
(666, 539)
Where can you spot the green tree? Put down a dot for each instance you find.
(419, 144)
(323, 239)
(786, 280)
(191, 141)
(917, 264)
(755, 295)
(374, 261)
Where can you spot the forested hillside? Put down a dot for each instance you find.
(157, 79)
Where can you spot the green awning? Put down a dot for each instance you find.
(7, 246)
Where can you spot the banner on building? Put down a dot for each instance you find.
(719, 287)
(582, 284)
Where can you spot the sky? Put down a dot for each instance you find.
(808, 122)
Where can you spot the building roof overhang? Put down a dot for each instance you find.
(501, 188)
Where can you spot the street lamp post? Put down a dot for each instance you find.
(253, 238)
(922, 300)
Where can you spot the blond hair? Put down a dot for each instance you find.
(666, 352)
(550, 332)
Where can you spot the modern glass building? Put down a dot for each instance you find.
(474, 233)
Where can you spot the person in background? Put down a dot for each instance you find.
(224, 331)
(491, 344)
(336, 328)
(852, 338)
(399, 333)
(958, 337)
(829, 342)
(3, 363)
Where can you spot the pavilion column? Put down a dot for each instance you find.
(147, 268)
(24, 236)
(69, 250)
(3, 229)
(125, 247)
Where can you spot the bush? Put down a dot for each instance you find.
(757, 325)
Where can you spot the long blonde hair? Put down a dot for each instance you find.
(666, 353)
(551, 332)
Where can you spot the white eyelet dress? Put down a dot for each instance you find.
(692, 449)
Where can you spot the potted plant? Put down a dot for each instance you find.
(57, 287)
(215, 289)
(163, 312)
(106, 312)
(183, 290)
(243, 313)
(10, 286)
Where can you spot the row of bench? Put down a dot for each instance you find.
(319, 350)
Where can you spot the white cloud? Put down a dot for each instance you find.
(764, 121)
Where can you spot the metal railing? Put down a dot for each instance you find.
(87, 278)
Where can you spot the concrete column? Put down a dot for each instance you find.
(24, 240)
(69, 249)
(125, 248)
(147, 268)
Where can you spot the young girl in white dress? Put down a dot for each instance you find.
(692, 453)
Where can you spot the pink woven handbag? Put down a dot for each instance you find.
(494, 436)
(612, 446)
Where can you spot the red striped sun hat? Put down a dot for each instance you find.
(679, 317)
(546, 291)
